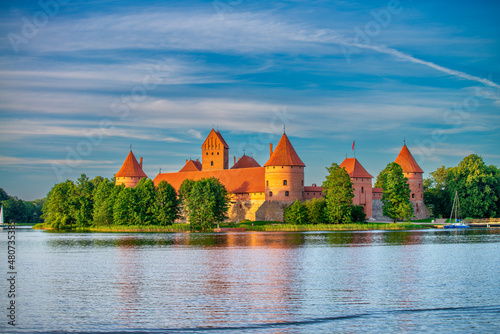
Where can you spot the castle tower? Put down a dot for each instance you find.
(362, 184)
(215, 152)
(284, 173)
(413, 172)
(131, 172)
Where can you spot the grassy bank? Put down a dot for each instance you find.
(264, 226)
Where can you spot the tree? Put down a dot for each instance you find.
(104, 197)
(477, 187)
(123, 208)
(83, 198)
(166, 204)
(296, 213)
(395, 192)
(207, 202)
(144, 195)
(338, 195)
(316, 208)
(61, 207)
(436, 192)
(358, 215)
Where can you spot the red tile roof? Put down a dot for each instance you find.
(407, 162)
(191, 166)
(284, 154)
(354, 168)
(218, 135)
(246, 162)
(237, 181)
(376, 190)
(222, 139)
(130, 168)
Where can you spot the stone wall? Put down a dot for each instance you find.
(271, 210)
(420, 211)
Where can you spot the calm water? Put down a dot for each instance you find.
(348, 282)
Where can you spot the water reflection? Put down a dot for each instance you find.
(380, 281)
(129, 278)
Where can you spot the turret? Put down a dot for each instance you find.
(413, 172)
(362, 184)
(284, 173)
(131, 172)
(215, 152)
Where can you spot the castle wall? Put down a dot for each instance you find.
(244, 206)
(363, 194)
(130, 181)
(277, 176)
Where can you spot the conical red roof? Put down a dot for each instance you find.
(407, 162)
(130, 168)
(191, 166)
(354, 168)
(246, 162)
(284, 154)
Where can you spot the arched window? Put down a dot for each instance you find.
(362, 189)
(217, 153)
(212, 153)
(211, 163)
(270, 194)
(267, 183)
(302, 182)
(285, 182)
(287, 193)
(413, 195)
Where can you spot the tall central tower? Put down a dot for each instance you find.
(215, 152)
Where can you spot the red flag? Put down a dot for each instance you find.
(353, 145)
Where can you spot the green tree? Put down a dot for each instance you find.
(104, 197)
(124, 208)
(437, 193)
(83, 198)
(296, 213)
(477, 187)
(207, 202)
(144, 194)
(338, 195)
(61, 207)
(358, 215)
(316, 210)
(395, 193)
(166, 204)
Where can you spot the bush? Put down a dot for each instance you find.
(357, 214)
(296, 213)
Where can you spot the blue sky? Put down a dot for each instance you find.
(82, 80)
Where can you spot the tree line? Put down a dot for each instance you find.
(99, 202)
(477, 185)
(20, 211)
(336, 206)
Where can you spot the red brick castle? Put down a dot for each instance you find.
(261, 193)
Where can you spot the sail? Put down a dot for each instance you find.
(1, 216)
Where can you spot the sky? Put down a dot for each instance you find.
(81, 81)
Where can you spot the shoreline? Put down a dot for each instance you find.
(185, 228)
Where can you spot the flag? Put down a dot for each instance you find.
(353, 145)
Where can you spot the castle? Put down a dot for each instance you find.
(262, 192)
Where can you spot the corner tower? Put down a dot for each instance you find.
(284, 173)
(362, 184)
(413, 172)
(131, 172)
(215, 152)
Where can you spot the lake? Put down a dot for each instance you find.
(255, 282)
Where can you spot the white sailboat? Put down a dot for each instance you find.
(1, 216)
(455, 210)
